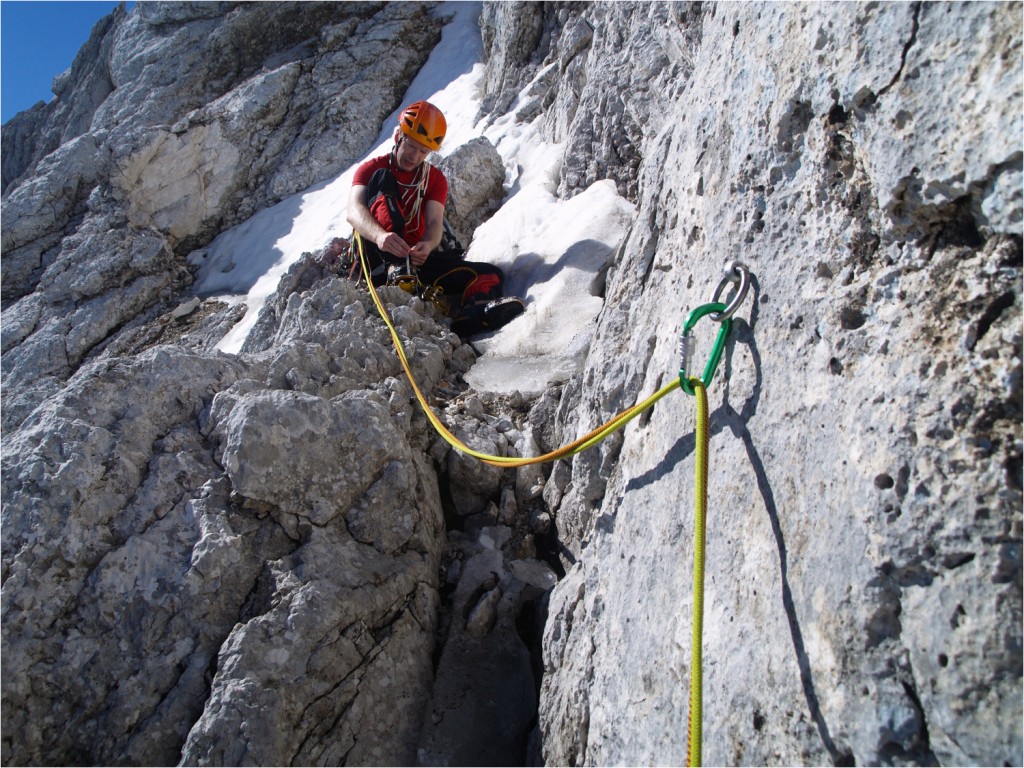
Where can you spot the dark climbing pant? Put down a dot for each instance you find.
(461, 281)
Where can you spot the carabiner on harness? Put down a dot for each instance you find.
(687, 345)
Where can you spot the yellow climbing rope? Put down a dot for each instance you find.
(693, 729)
(689, 384)
(577, 446)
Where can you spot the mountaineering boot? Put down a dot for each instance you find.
(486, 315)
(501, 311)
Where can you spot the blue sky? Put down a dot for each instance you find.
(38, 41)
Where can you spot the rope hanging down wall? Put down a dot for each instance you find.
(692, 385)
(698, 387)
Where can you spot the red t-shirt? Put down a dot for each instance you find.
(415, 188)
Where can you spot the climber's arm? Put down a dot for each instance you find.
(362, 221)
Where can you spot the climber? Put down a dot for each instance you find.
(397, 205)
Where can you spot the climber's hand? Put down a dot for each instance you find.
(393, 244)
(419, 253)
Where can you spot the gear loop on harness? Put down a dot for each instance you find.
(736, 271)
(686, 345)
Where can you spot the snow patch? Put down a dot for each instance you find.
(554, 252)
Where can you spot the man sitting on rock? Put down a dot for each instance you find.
(397, 206)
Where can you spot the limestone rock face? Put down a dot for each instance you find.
(172, 518)
(39, 131)
(211, 558)
(192, 554)
(476, 177)
(863, 582)
(211, 112)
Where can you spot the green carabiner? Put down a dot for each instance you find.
(686, 346)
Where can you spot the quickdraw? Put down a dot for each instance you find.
(722, 313)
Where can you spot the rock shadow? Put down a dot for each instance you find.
(726, 416)
(530, 269)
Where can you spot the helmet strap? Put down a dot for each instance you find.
(393, 157)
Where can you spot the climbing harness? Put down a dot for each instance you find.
(692, 385)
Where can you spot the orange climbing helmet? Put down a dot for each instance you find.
(423, 123)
